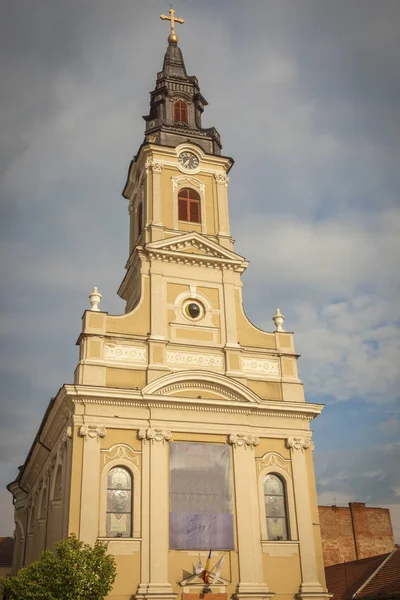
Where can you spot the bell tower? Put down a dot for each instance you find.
(177, 183)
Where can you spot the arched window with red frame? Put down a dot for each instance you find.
(188, 205)
(180, 112)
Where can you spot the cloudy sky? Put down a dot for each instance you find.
(305, 94)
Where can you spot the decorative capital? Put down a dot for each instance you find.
(95, 298)
(155, 435)
(298, 443)
(239, 440)
(92, 431)
(221, 178)
(156, 167)
(278, 319)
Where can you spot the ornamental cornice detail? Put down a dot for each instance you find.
(154, 435)
(273, 459)
(191, 359)
(92, 431)
(175, 97)
(184, 130)
(201, 386)
(239, 440)
(186, 178)
(121, 451)
(299, 444)
(260, 366)
(193, 406)
(125, 353)
(135, 201)
(221, 178)
(196, 260)
(195, 244)
(65, 437)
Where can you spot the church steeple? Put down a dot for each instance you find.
(177, 183)
(176, 104)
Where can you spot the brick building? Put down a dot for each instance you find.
(354, 532)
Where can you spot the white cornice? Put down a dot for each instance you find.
(135, 398)
(221, 427)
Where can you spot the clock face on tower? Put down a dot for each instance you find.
(188, 160)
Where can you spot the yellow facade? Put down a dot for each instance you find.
(155, 376)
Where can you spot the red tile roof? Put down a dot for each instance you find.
(345, 579)
(386, 581)
(6, 550)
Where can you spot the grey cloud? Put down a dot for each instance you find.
(380, 467)
(304, 94)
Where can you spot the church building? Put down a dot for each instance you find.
(185, 429)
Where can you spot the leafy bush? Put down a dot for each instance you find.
(74, 571)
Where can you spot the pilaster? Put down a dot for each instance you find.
(158, 328)
(222, 203)
(154, 573)
(66, 458)
(89, 518)
(310, 586)
(156, 170)
(229, 281)
(251, 584)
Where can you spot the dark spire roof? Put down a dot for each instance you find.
(174, 65)
(173, 85)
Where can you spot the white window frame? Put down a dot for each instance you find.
(186, 181)
(289, 498)
(135, 519)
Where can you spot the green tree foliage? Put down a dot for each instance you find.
(74, 571)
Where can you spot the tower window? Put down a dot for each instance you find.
(180, 112)
(275, 507)
(188, 205)
(119, 503)
(140, 219)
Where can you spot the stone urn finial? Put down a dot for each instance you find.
(278, 319)
(95, 298)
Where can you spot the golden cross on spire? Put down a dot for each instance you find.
(172, 38)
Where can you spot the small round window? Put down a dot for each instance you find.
(193, 310)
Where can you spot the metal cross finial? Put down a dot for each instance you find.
(172, 38)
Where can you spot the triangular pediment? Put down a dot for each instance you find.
(197, 245)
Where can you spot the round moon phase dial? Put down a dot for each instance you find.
(193, 310)
(188, 160)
